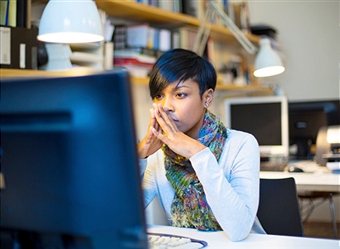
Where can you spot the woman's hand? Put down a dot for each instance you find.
(177, 141)
(150, 143)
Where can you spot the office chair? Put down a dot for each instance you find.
(279, 211)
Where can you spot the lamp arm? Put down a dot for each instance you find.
(203, 33)
(214, 8)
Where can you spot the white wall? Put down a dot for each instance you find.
(309, 33)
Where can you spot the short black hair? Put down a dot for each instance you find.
(181, 65)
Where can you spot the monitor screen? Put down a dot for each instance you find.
(264, 117)
(305, 120)
(69, 164)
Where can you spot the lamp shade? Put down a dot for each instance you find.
(267, 61)
(70, 21)
(333, 134)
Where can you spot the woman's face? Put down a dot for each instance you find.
(185, 106)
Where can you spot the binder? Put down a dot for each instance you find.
(19, 48)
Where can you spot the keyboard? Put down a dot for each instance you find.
(273, 166)
(168, 241)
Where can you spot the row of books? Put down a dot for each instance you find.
(170, 5)
(238, 10)
(194, 8)
(15, 13)
(146, 36)
(138, 46)
(139, 60)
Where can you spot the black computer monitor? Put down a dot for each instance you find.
(305, 120)
(69, 162)
(266, 118)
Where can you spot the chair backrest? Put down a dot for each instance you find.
(279, 211)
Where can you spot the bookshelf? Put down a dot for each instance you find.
(20, 73)
(248, 89)
(140, 13)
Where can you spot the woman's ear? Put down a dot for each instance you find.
(208, 97)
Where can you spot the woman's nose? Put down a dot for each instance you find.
(167, 103)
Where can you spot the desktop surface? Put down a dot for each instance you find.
(319, 180)
(219, 240)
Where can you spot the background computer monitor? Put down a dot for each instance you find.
(70, 164)
(266, 118)
(305, 120)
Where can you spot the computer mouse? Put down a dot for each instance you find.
(295, 169)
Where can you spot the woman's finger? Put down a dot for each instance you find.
(167, 127)
(166, 118)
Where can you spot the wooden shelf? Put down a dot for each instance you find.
(27, 73)
(20, 73)
(138, 12)
(231, 88)
(132, 11)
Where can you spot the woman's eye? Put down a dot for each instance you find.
(158, 96)
(180, 95)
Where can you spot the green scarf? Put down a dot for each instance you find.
(189, 207)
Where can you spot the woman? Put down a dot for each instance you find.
(205, 175)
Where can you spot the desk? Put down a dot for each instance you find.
(320, 180)
(220, 240)
(317, 181)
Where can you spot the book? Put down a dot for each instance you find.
(138, 65)
(166, 5)
(12, 13)
(119, 37)
(19, 47)
(4, 12)
(137, 35)
(28, 13)
(241, 16)
(21, 17)
(189, 7)
(187, 37)
(195, 8)
(175, 39)
(164, 39)
(177, 6)
(151, 38)
(156, 39)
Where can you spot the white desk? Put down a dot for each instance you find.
(317, 181)
(220, 240)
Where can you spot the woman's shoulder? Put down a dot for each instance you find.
(239, 135)
(239, 142)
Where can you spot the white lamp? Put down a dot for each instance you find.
(267, 61)
(70, 21)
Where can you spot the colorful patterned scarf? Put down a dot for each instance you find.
(189, 207)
